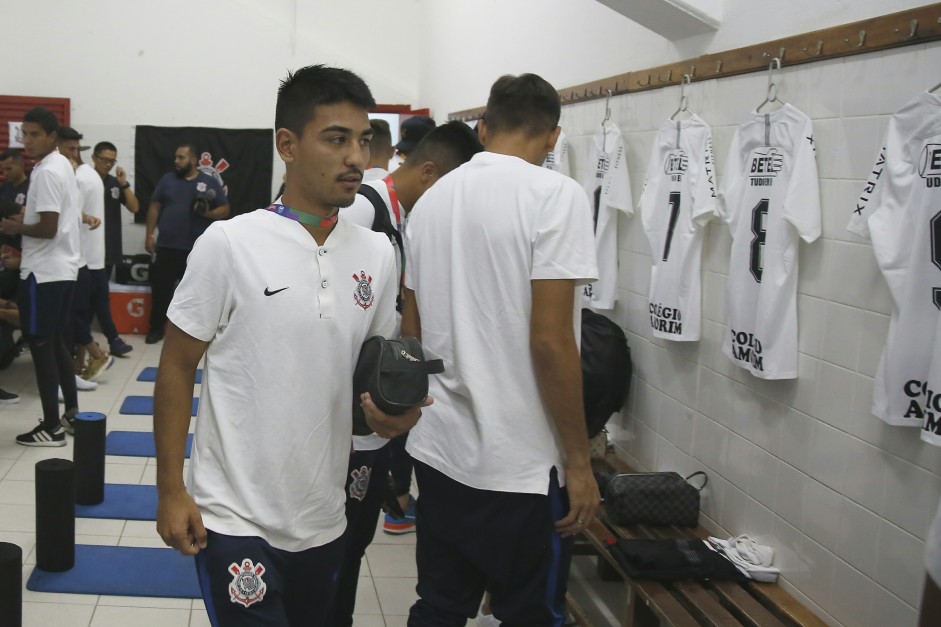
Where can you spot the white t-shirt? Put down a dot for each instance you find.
(900, 211)
(52, 188)
(285, 321)
(374, 174)
(769, 197)
(609, 190)
(679, 198)
(476, 241)
(92, 201)
(362, 212)
(558, 159)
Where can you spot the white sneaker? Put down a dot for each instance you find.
(486, 620)
(81, 385)
(752, 559)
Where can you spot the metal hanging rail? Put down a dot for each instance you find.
(905, 28)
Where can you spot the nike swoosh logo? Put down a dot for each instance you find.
(270, 293)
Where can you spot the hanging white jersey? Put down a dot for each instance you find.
(609, 190)
(679, 198)
(558, 159)
(769, 197)
(900, 211)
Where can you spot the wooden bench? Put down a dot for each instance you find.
(686, 603)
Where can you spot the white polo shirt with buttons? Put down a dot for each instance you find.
(285, 320)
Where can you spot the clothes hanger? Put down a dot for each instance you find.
(772, 96)
(935, 88)
(684, 100)
(607, 118)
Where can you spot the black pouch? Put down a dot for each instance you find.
(395, 373)
(653, 498)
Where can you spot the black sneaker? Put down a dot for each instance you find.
(153, 337)
(40, 437)
(119, 348)
(68, 423)
(8, 398)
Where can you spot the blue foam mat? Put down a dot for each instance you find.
(144, 406)
(123, 502)
(150, 374)
(136, 444)
(122, 571)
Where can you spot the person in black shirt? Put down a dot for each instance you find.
(117, 192)
(16, 181)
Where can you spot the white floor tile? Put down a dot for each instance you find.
(392, 560)
(60, 614)
(396, 594)
(110, 616)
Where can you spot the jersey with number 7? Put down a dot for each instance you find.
(770, 199)
(679, 197)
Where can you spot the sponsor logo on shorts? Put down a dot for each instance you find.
(247, 587)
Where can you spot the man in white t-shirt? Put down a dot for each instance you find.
(91, 190)
(48, 269)
(496, 251)
(380, 151)
(441, 150)
(279, 301)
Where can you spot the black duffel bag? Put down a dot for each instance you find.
(395, 373)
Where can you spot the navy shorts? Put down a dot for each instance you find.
(472, 540)
(247, 582)
(45, 308)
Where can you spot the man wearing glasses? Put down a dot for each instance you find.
(117, 192)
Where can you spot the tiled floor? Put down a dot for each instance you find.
(386, 590)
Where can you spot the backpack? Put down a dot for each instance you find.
(381, 223)
(606, 369)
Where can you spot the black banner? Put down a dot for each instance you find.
(241, 157)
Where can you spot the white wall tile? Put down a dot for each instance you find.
(834, 402)
(864, 476)
(901, 78)
(874, 328)
(900, 563)
(858, 536)
(854, 278)
(857, 92)
(886, 608)
(821, 509)
(911, 496)
(828, 455)
(841, 335)
(850, 595)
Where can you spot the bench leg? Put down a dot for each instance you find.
(607, 572)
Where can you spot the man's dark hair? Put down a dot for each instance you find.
(193, 150)
(381, 135)
(69, 133)
(302, 91)
(447, 146)
(104, 146)
(11, 153)
(524, 103)
(45, 118)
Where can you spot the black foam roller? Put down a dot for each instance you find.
(89, 457)
(55, 515)
(11, 584)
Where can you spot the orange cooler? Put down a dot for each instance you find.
(130, 307)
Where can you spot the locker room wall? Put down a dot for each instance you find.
(802, 465)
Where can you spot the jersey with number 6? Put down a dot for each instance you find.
(769, 196)
(900, 211)
(679, 197)
(609, 190)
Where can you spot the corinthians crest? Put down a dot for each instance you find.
(247, 586)
(360, 482)
(363, 294)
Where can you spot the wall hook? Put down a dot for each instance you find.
(718, 66)
(913, 30)
(818, 50)
(692, 72)
(644, 84)
(669, 77)
(862, 40)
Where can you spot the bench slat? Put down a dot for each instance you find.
(744, 605)
(576, 611)
(651, 593)
(710, 610)
(788, 605)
